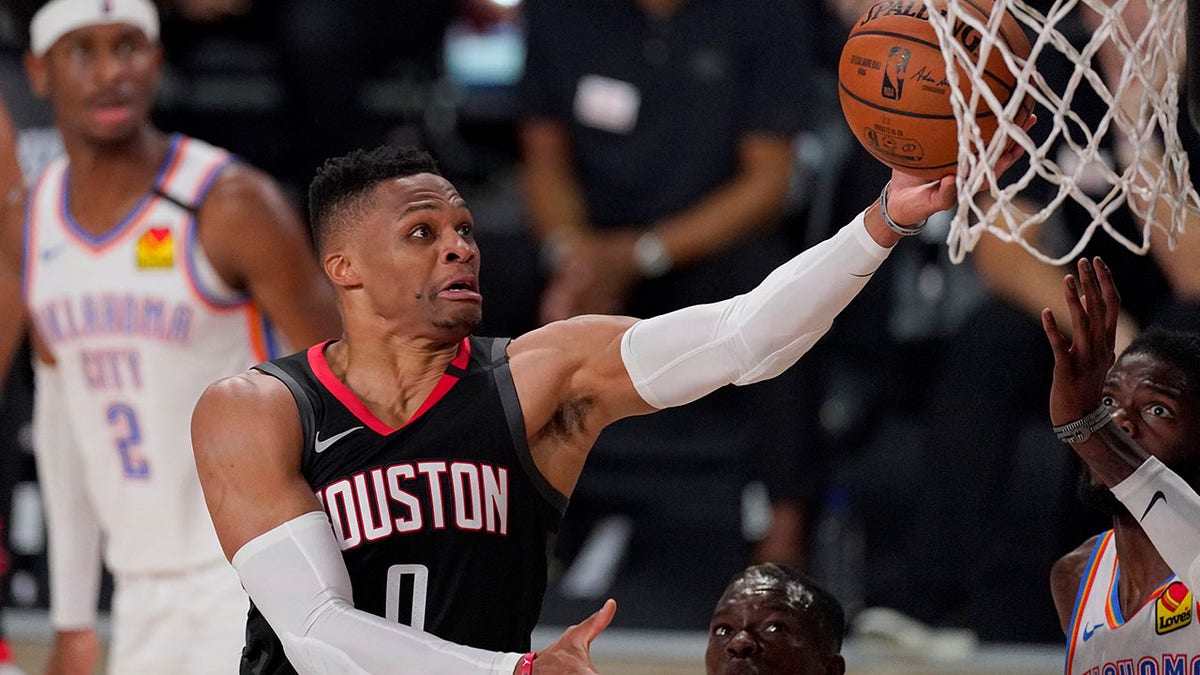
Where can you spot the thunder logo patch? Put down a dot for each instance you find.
(156, 249)
(1173, 609)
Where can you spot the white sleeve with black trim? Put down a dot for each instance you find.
(297, 579)
(678, 357)
(1168, 510)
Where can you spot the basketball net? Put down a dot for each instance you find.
(1150, 170)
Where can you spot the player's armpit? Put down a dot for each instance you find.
(246, 436)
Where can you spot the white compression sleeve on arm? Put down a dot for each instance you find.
(72, 528)
(295, 575)
(1168, 509)
(678, 357)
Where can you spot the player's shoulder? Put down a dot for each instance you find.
(247, 394)
(581, 334)
(1070, 567)
(240, 183)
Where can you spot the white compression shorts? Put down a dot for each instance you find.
(295, 575)
(678, 357)
(1168, 510)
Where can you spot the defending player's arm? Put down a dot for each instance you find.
(246, 436)
(257, 242)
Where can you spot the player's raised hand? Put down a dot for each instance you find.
(912, 199)
(569, 653)
(1082, 362)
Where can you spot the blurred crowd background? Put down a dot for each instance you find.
(907, 462)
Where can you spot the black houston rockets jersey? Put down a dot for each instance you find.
(443, 522)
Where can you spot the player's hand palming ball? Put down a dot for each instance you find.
(893, 87)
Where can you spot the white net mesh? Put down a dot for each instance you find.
(1129, 153)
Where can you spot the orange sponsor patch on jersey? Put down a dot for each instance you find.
(156, 249)
(1173, 609)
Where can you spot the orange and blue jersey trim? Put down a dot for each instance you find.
(262, 333)
(192, 246)
(127, 224)
(1085, 589)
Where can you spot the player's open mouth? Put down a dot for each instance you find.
(461, 289)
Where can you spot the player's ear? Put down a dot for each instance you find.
(38, 72)
(341, 271)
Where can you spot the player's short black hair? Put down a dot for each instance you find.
(829, 616)
(1180, 349)
(341, 186)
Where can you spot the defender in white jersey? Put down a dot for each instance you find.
(149, 265)
(1123, 597)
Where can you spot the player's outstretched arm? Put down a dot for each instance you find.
(1166, 507)
(246, 436)
(256, 240)
(577, 376)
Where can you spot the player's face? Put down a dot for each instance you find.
(101, 81)
(1153, 403)
(756, 629)
(417, 258)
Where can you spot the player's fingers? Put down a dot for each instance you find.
(589, 628)
(1100, 324)
(1058, 342)
(1112, 297)
(1079, 318)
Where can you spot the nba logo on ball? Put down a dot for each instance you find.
(894, 89)
(893, 73)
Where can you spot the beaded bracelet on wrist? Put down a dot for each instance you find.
(1082, 429)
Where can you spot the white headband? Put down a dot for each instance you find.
(59, 17)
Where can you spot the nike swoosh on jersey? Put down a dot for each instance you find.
(323, 445)
(1089, 631)
(1158, 496)
(54, 251)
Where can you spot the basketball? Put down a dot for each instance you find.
(893, 87)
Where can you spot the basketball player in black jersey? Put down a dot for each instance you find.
(405, 476)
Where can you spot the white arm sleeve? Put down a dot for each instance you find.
(72, 528)
(678, 357)
(297, 579)
(1168, 509)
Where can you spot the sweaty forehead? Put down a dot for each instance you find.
(766, 591)
(1142, 369)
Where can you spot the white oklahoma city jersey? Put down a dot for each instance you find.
(139, 324)
(1160, 638)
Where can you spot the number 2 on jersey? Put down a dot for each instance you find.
(407, 588)
(123, 419)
